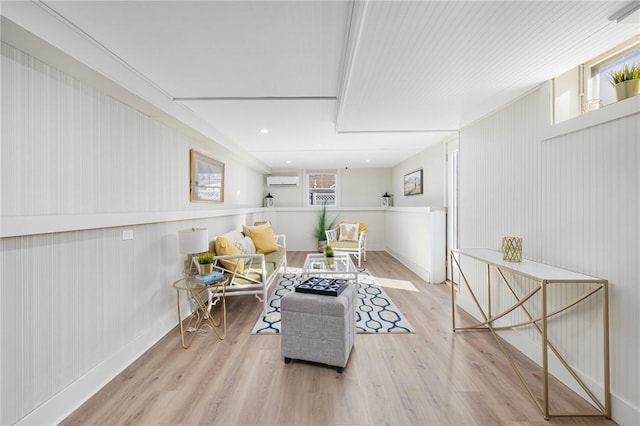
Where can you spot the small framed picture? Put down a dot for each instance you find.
(413, 183)
(207, 178)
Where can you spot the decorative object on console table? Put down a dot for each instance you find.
(269, 200)
(386, 200)
(626, 81)
(193, 241)
(512, 249)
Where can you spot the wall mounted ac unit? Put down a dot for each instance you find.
(282, 180)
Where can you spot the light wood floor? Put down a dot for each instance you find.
(432, 377)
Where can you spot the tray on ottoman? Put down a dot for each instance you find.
(322, 286)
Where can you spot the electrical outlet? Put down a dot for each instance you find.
(127, 235)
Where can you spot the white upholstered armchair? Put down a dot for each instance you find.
(349, 238)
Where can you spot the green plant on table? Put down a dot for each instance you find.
(328, 251)
(205, 258)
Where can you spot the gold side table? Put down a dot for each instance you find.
(202, 297)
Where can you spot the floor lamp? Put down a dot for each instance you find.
(191, 242)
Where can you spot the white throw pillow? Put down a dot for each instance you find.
(349, 231)
(246, 246)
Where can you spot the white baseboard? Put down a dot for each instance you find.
(417, 269)
(65, 402)
(623, 412)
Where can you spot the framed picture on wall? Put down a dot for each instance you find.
(206, 181)
(413, 183)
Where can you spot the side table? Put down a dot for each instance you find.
(201, 295)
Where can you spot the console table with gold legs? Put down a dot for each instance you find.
(202, 297)
(545, 276)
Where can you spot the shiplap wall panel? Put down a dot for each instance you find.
(574, 200)
(594, 172)
(79, 151)
(72, 301)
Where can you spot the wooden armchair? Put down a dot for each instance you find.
(350, 242)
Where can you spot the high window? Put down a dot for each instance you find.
(587, 87)
(596, 76)
(321, 187)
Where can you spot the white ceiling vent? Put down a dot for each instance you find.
(282, 180)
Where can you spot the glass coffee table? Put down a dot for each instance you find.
(316, 265)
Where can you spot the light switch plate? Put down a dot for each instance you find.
(127, 235)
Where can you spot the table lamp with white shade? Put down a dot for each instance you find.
(193, 241)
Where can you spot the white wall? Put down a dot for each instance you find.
(356, 187)
(573, 197)
(363, 187)
(432, 162)
(298, 224)
(416, 237)
(78, 306)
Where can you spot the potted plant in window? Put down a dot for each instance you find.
(626, 81)
(205, 262)
(322, 226)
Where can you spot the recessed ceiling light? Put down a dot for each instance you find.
(288, 161)
(367, 161)
(264, 131)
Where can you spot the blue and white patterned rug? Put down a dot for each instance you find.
(376, 313)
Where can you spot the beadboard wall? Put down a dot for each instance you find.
(573, 198)
(79, 305)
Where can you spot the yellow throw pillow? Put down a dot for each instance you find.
(246, 228)
(263, 239)
(225, 247)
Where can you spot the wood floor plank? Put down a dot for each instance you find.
(431, 377)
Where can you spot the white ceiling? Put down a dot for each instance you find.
(341, 82)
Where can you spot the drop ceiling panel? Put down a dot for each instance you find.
(417, 68)
(222, 48)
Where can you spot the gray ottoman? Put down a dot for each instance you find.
(319, 328)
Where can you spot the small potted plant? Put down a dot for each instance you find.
(329, 255)
(205, 261)
(626, 81)
(322, 226)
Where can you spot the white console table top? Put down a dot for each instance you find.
(531, 269)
